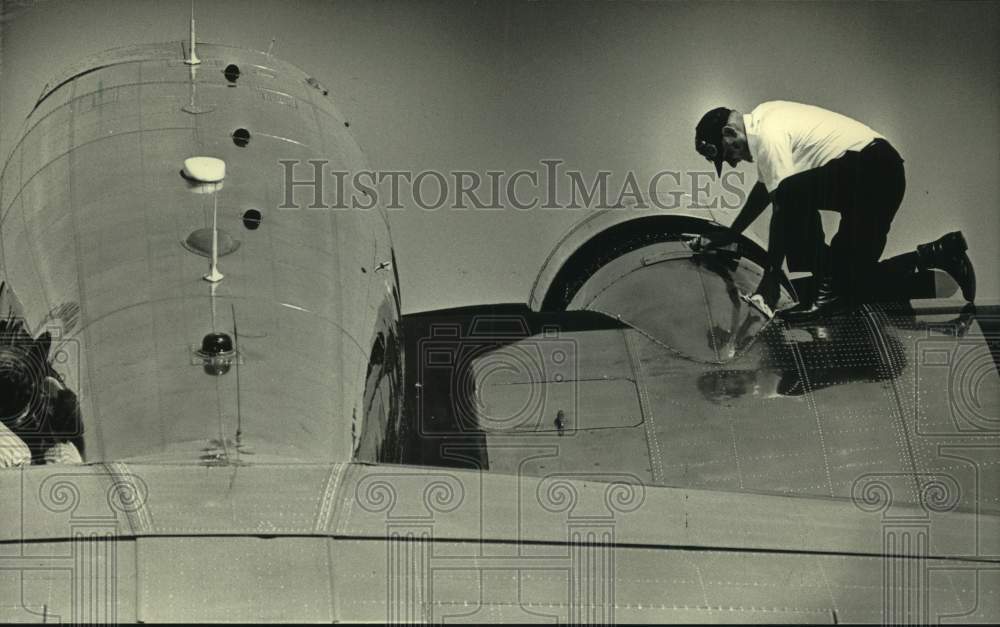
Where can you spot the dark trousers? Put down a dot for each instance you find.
(866, 189)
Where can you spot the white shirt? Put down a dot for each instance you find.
(785, 138)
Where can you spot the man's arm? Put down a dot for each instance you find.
(776, 239)
(758, 200)
(776, 248)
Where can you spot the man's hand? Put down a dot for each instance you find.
(768, 289)
(712, 241)
(765, 296)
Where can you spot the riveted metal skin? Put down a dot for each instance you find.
(647, 451)
(93, 212)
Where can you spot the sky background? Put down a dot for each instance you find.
(603, 86)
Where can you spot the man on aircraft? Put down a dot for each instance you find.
(809, 159)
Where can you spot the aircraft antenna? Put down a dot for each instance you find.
(211, 294)
(214, 275)
(236, 350)
(192, 57)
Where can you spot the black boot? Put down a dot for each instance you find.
(827, 302)
(948, 254)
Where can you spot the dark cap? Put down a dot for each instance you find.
(708, 136)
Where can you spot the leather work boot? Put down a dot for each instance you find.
(828, 301)
(948, 253)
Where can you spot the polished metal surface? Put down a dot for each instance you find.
(352, 542)
(685, 302)
(633, 444)
(94, 212)
(819, 410)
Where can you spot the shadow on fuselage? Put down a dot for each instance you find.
(441, 345)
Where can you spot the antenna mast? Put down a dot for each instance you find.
(192, 57)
